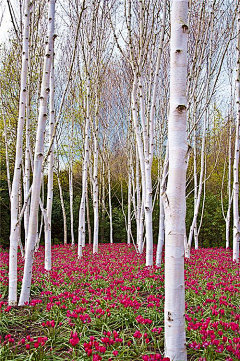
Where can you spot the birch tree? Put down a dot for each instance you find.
(12, 295)
(236, 228)
(174, 197)
(71, 177)
(48, 233)
(86, 39)
(38, 159)
(161, 232)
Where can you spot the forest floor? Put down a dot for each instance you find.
(109, 306)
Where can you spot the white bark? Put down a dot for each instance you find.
(141, 159)
(81, 233)
(139, 223)
(88, 218)
(174, 198)
(27, 172)
(197, 194)
(19, 224)
(48, 225)
(161, 232)
(95, 188)
(129, 205)
(63, 210)
(71, 183)
(236, 235)
(110, 204)
(195, 230)
(12, 295)
(38, 160)
(84, 224)
(227, 220)
(103, 198)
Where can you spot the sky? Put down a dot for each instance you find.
(6, 20)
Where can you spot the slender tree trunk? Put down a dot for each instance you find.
(84, 224)
(81, 233)
(236, 235)
(229, 186)
(12, 295)
(48, 226)
(63, 210)
(19, 211)
(71, 183)
(88, 218)
(139, 222)
(161, 233)
(195, 232)
(95, 192)
(148, 216)
(27, 171)
(103, 201)
(129, 204)
(174, 198)
(110, 204)
(197, 200)
(38, 159)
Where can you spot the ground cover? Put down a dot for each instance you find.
(109, 306)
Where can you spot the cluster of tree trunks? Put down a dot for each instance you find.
(143, 52)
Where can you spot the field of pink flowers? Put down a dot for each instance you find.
(109, 306)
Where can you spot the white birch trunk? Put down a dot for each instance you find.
(174, 199)
(38, 159)
(195, 230)
(95, 192)
(161, 232)
(81, 233)
(88, 218)
(48, 226)
(63, 210)
(110, 204)
(138, 207)
(148, 216)
(229, 185)
(141, 159)
(12, 294)
(236, 235)
(19, 223)
(103, 198)
(27, 172)
(197, 194)
(129, 205)
(71, 184)
(84, 224)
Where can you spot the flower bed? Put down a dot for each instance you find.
(109, 306)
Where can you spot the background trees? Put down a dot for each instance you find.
(112, 105)
(115, 116)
